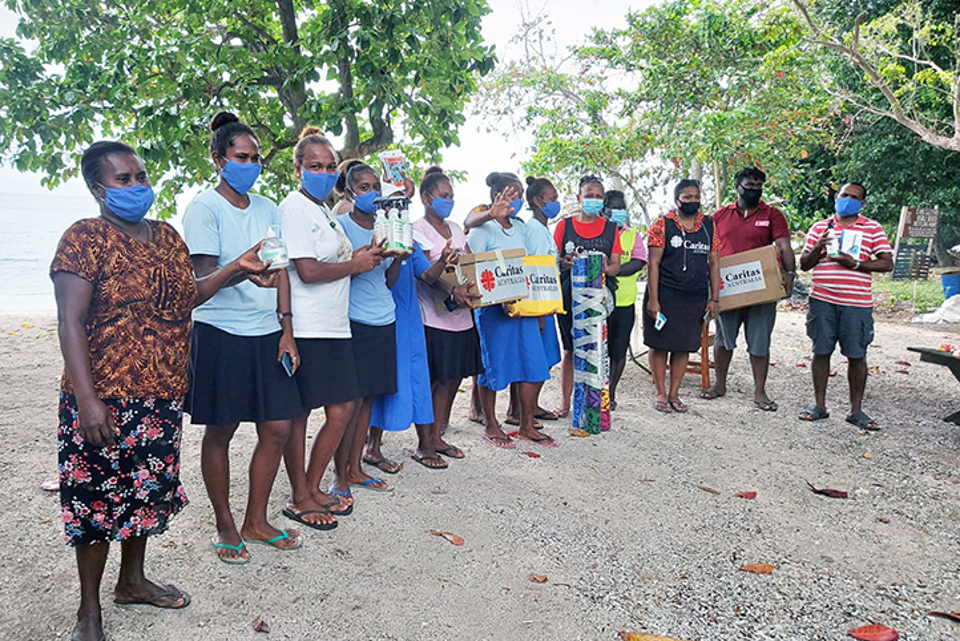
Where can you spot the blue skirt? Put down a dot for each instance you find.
(551, 346)
(413, 402)
(511, 348)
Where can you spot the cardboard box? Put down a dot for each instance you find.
(499, 276)
(545, 297)
(750, 278)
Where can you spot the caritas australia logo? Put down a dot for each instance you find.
(487, 280)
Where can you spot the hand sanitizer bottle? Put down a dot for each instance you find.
(396, 229)
(407, 230)
(274, 249)
(380, 226)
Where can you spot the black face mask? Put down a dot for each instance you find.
(689, 209)
(750, 197)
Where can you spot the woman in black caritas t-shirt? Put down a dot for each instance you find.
(683, 285)
(583, 232)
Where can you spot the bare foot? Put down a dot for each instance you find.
(89, 627)
(148, 593)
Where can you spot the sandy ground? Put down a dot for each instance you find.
(617, 522)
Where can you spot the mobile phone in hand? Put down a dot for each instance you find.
(287, 363)
(660, 322)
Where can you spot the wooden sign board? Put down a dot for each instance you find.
(915, 234)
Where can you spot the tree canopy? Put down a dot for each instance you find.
(155, 72)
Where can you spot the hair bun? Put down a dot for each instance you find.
(435, 169)
(221, 119)
(311, 130)
(531, 180)
(493, 178)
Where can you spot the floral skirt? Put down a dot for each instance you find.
(130, 489)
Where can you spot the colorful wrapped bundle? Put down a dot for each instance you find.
(591, 396)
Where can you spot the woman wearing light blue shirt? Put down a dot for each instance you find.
(511, 348)
(372, 318)
(240, 335)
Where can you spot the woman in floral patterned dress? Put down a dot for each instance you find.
(125, 291)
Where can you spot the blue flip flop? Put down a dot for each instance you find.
(283, 536)
(368, 485)
(236, 548)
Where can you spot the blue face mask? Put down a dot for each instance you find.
(550, 210)
(442, 206)
(592, 206)
(318, 185)
(129, 203)
(241, 176)
(364, 202)
(847, 206)
(619, 216)
(515, 207)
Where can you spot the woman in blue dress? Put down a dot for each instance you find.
(511, 348)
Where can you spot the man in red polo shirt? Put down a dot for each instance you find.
(843, 251)
(749, 223)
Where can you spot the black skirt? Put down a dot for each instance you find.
(375, 358)
(681, 333)
(619, 328)
(453, 356)
(238, 378)
(327, 373)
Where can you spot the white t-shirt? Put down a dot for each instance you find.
(320, 310)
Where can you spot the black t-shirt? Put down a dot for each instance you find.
(685, 266)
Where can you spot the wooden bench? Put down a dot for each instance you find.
(948, 360)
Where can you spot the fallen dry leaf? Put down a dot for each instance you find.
(826, 491)
(643, 636)
(953, 616)
(747, 495)
(774, 363)
(873, 370)
(874, 633)
(531, 454)
(867, 455)
(707, 488)
(169, 544)
(801, 364)
(904, 363)
(259, 625)
(902, 371)
(578, 433)
(450, 536)
(883, 519)
(50, 486)
(757, 568)
(538, 578)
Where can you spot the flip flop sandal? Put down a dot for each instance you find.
(547, 415)
(169, 593)
(814, 413)
(283, 536)
(452, 451)
(422, 460)
(537, 425)
(662, 406)
(678, 406)
(767, 406)
(384, 465)
(503, 442)
(710, 394)
(864, 422)
(346, 512)
(236, 548)
(542, 442)
(298, 517)
(369, 485)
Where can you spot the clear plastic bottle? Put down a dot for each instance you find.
(407, 230)
(274, 249)
(380, 226)
(396, 230)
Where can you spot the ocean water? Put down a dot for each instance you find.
(30, 228)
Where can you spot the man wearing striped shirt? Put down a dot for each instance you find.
(841, 298)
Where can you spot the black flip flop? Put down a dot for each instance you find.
(346, 512)
(864, 422)
(422, 461)
(380, 465)
(298, 517)
(167, 594)
(814, 413)
(451, 451)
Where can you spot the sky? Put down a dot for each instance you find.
(479, 152)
